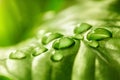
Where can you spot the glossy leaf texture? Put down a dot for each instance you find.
(84, 60)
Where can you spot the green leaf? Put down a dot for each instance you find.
(84, 64)
(71, 57)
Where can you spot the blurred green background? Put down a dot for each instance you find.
(19, 17)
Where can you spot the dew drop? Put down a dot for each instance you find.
(82, 28)
(64, 42)
(17, 55)
(48, 38)
(56, 57)
(99, 34)
(39, 50)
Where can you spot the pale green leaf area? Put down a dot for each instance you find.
(70, 52)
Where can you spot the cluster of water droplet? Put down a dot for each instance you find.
(60, 42)
(93, 34)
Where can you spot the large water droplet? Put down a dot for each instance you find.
(82, 28)
(64, 42)
(17, 55)
(56, 57)
(39, 50)
(48, 38)
(99, 34)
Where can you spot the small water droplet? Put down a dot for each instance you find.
(39, 50)
(93, 44)
(62, 43)
(99, 34)
(56, 57)
(50, 37)
(17, 55)
(82, 28)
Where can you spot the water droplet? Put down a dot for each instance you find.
(66, 42)
(17, 55)
(99, 34)
(93, 44)
(56, 57)
(82, 28)
(78, 36)
(49, 38)
(63, 43)
(39, 50)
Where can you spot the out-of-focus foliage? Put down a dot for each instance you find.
(18, 17)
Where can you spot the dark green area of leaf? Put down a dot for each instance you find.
(4, 78)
